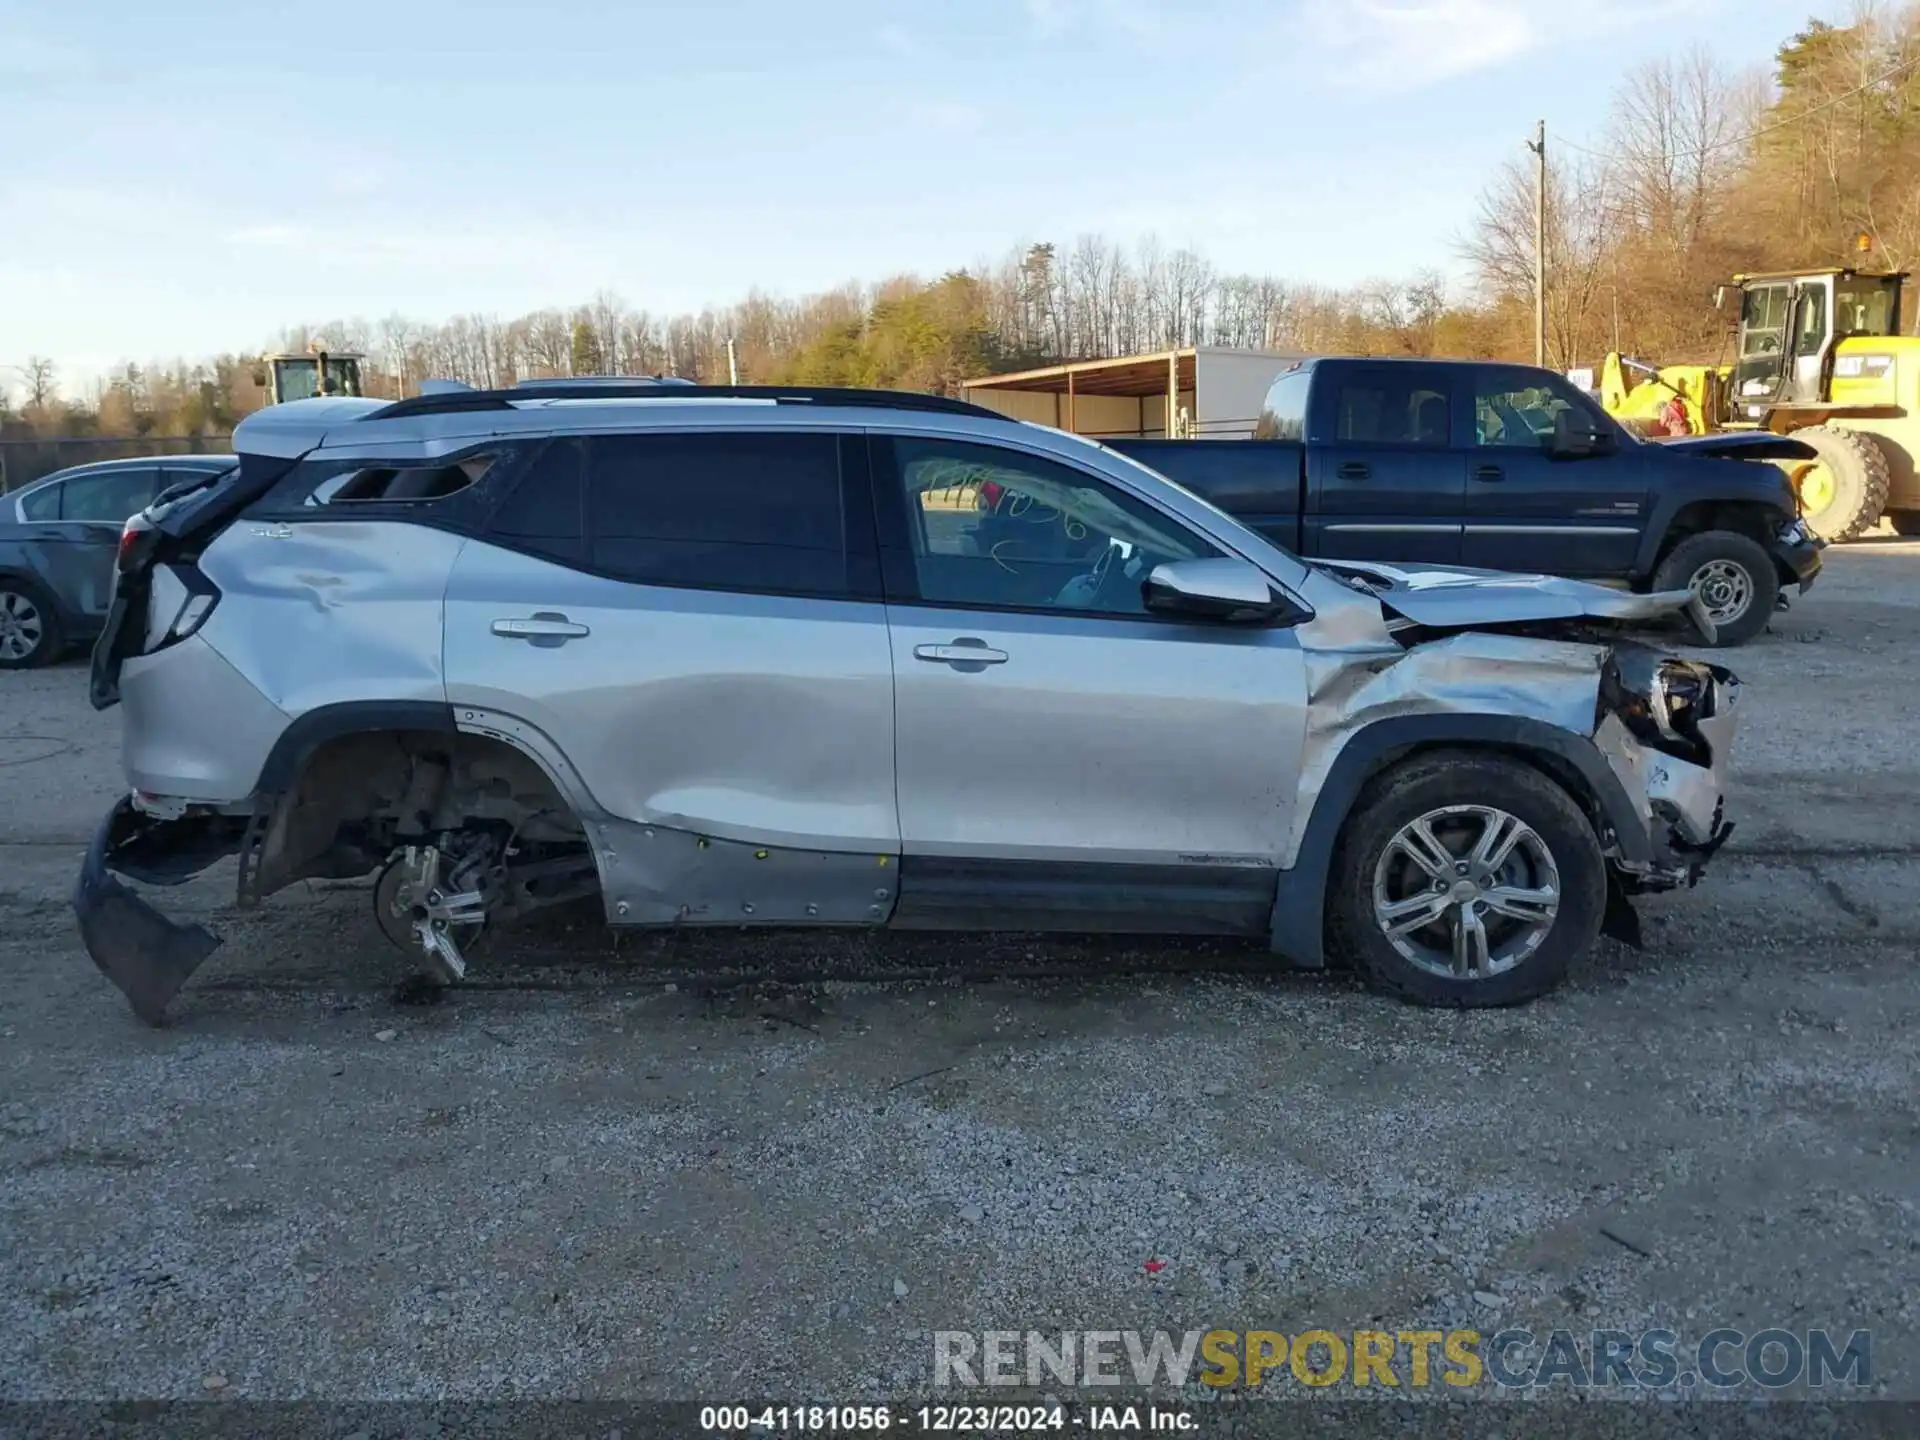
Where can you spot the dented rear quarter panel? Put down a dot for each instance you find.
(324, 612)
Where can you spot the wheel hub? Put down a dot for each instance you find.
(1467, 891)
(1724, 588)
(1816, 488)
(21, 629)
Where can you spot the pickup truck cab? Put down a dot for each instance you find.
(1504, 467)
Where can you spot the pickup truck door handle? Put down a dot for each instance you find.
(544, 628)
(966, 653)
(1355, 470)
(1489, 472)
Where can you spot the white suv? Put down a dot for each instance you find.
(805, 657)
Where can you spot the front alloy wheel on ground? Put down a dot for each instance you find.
(1734, 578)
(28, 635)
(1466, 878)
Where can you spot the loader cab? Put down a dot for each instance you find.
(297, 376)
(1790, 326)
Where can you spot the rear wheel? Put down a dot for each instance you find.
(1466, 879)
(29, 628)
(1904, 522)
(1733, 577)
(1843, 491)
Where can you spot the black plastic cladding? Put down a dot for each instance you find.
(454, 401)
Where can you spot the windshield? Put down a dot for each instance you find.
(300, 379)
(1763, 321)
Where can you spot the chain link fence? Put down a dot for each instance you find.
(22, 461)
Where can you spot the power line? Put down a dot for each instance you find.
(1753, 135)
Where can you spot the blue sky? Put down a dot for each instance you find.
(188, 178)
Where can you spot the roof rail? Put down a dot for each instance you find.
(544, 383)
(648, 389)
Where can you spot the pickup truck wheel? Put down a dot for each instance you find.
(1466, 879)
(1842, 492)
(1733, 577)
(29, 626)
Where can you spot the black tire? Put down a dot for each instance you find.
(1725, 563)
(1433, 782)
(27, 611)
(1861, 478)
(1904, 522)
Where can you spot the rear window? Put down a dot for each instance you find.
(363, 483)
(1284, 415)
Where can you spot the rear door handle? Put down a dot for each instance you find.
(1355, 470)
(966, 653)
(543, 628)
(1489, 472)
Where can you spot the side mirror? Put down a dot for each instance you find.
(1577, 436)
(1221, 589)
(259, 379)
(1721, 294)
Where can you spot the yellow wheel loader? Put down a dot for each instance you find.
(1818, 355)
(292, 375)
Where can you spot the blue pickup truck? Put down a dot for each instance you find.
(1505, 467)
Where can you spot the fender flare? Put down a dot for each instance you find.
(1299, 908)
(1655, 538)
(309, 731)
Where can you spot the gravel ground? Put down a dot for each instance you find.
(714, 1166)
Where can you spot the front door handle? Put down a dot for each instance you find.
(1489, 472)
(544, 628)
(1355, 470)
(966, 653)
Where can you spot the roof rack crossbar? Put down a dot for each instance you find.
(455, 401)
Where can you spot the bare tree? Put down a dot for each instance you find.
(42, 383)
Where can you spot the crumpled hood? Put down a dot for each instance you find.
(1446, 597)
(1742, 445)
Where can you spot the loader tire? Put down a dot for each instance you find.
(1852, 491)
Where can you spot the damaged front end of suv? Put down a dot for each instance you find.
(1555, 670)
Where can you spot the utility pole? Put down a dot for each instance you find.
(1538, 145)
(733, 364)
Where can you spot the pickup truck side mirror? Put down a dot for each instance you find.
(1221, 588)
(1577, 436)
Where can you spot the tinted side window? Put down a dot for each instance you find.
(740, 511)
(44, 503)
(109, 498)
(546, 513)
(1377, 409)
(1000, 528)
(1284, 415)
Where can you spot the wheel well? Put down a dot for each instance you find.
(1704, 515)
(356, 796)
(1562, 772)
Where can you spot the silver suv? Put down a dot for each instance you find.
(809, 657)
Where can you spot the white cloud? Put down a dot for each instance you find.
(1137, 19)
(264, 235)
(898, 40)
(949, 114)
(32, 58)
(1401, 45)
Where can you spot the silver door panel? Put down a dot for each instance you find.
(1101, 740)
(759, 719)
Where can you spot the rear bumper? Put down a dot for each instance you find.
(147, 956)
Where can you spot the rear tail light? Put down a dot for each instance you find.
(179, 601)
(136, 539)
